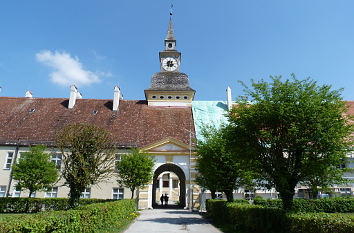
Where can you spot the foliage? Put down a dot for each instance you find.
(219, 168)
(327, 205)
(259, 219)
(88, 157)
(89, 218)
(34, 170)
(291, 131)
(34, 205)
(135, 169)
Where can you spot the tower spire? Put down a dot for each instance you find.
(170, 34)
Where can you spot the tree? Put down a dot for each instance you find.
(88, 157)
(290, 131)
(219, 167)
(34, 171)
(135, 170)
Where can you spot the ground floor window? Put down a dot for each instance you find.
(118, 193)
(17, 192)
(86, 193)
(2, 190)
(52, 192)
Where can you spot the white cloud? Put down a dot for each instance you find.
(67, 70)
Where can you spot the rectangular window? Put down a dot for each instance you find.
(165, 184)
(86, 193)
(16, 192)
(56, 159)
(174, 184)
(51, 192)
(10, 156)
(2, 190)
(118, 193)
(117, 159)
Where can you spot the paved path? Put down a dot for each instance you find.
(168, 220)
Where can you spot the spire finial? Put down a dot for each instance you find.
(170, 33)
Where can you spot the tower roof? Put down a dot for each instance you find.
(170, 33)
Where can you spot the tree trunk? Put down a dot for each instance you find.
(213, 195)
(74, 197)
(314, 191)
(229, 195)
(287, 198)
(27, 202)
(132, 190)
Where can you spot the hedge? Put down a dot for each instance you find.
(18, 205)
(327, 205)
(87, 218)
(260, 219)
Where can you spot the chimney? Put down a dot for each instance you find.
(28, 94)
(73, 95)
(117, 96)
(229, 98)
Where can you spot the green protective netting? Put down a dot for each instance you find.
(210, 113)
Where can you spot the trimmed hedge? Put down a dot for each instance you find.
(260, 219)
(87, 218)
(327, 205)
(18, 204)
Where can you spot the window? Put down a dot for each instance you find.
(165, 184)
(170, 97)
(185, 97)
(162, 97)
(51, 192)
(154, 97)
(178, 97)
(16, 192)
(86, 193)
(117, 159)
(174, 184)
(56, 159)
(118, 193)
(2, 190)
(9, 158)
(33, 194)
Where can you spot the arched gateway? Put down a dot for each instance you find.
(169, 167)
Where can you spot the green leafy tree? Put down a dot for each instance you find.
(219, 167)
(290, 131)
(34, 170)
(88, 157)
(135, 170)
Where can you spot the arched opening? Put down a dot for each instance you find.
(182, 184)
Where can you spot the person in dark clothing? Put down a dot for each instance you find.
(166, 199)
(162, 198)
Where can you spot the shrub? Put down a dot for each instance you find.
(321, 223)
(260, 219)
(18, 205)
(87, 218)
(328, 205)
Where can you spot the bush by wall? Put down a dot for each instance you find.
(86, 218)
(327, 205)
(18, 205)
(260, 219)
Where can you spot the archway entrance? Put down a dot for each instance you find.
(182, 184)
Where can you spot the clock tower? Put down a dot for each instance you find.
(170, 87)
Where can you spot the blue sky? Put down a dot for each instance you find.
(46, 45)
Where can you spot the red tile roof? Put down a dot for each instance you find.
(135, 124)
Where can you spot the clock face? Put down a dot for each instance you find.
(169, 64)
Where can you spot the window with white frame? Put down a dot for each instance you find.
(16, 192)
(10, 156)
(51, 192)
(117, 159)
(56, 159)
(86, 193)
(2, 190)
(118, 193)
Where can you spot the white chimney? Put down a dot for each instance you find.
(78, 95)
(229, 98)
(73, 96)
(117, 96)
(28, 94)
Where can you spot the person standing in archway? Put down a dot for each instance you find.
(162, 198)
(166, 199)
